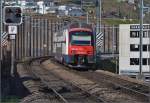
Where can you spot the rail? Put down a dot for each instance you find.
(43, 74)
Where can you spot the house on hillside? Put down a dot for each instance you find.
(128, 1)
(30, 7)
(70, 10)
(76, 12)
(131, 1)
(46, 6)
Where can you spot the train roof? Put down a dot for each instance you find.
(80, 29)
(73, 26)
(80, 25)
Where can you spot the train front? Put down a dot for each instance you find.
(81, 48)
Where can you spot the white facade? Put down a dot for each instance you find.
(131, 1)
(129, 49)
(60, 41)
(41, 6)
(46, 7)
(22, 2)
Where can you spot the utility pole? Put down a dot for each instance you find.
(12, 55)
(12, 19)
(17, 2)
(87, 17)
(97, 16)
(1, 30)
(100, 14)
(81, 1)
(98, 19)
(141, 41)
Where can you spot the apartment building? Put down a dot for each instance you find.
(129, 50)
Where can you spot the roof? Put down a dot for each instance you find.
(80, 29)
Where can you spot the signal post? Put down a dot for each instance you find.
(12, 18)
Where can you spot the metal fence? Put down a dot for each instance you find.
(109, 39)
(34, 38)
(35, 35)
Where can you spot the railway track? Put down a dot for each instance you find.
(140, 91)
(58, 84)
(118, 81)
(115, 84)
(58, 89)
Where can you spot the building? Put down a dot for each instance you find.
(146, 9)
(129, 50)
(131, 1)
(70, 10)
(46, 6)
(76, 12)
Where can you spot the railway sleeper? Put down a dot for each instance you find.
(38, 96)
(71, 95)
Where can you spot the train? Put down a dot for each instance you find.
(74, 46)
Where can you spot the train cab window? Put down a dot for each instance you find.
(81, 38)
(134, 61)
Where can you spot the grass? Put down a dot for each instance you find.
(119, 21)
(10, 99)
(107, 65)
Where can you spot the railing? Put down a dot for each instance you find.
(35, 34)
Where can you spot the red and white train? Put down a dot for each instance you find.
(75, 46)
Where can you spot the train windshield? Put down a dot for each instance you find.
(81, 38)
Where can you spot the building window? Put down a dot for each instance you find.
(134, 61)
(145, 34)
(148, 61)
(149, 33)
(134, 34)
(134, 47)
(144, 61)
(148, 47)
(144, 47)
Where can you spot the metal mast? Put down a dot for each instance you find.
(81, 1)
(141, 39)
(1, 28)
(98, 16)
(98, 24)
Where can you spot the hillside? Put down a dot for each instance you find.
(115, 9)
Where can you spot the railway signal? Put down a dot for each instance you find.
(12, 15)
(12, 18)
